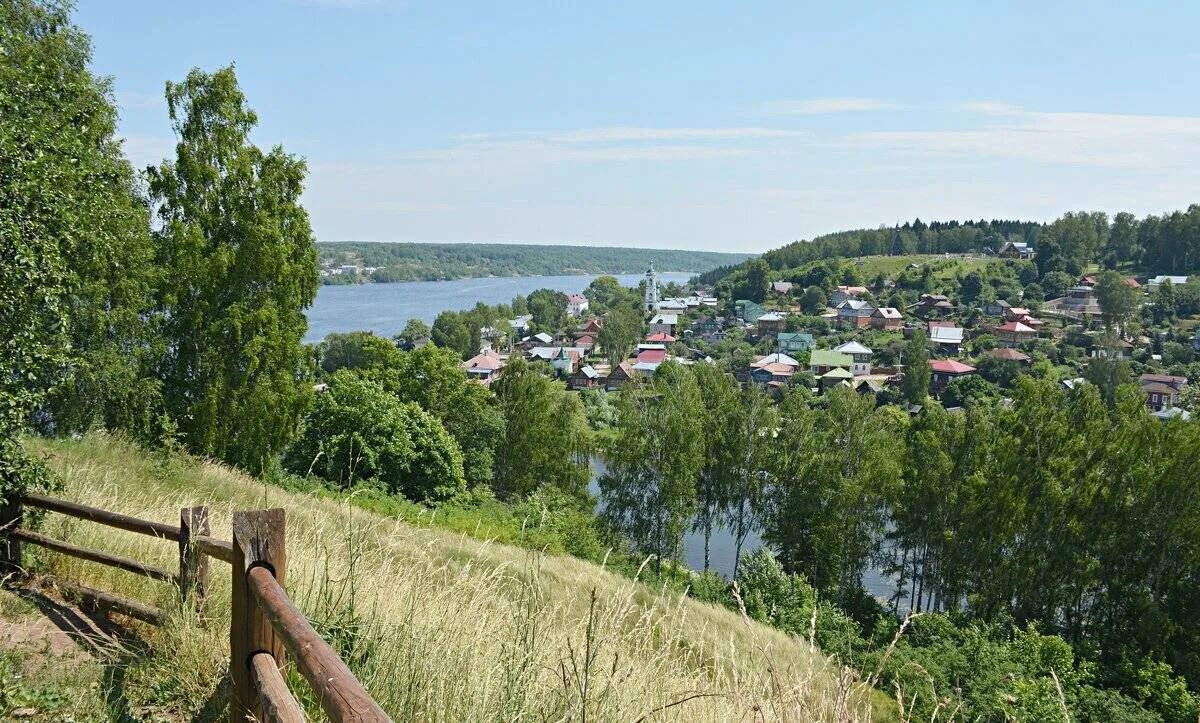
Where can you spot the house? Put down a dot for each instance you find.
(944, 371)
(1087, 280)
(945, 337)
(932, 305)
(520, 325)
(1154, 284)
(794, 342)
(1014, 333)
(711, 329)
(868, 385)
(483, 367)
(577, 304)
(834, 377)
(548, 353)
(664, 322)
(854, 313)
(587, 342)
(774, 372)
(886, 317)
(782, 288)
(620, 375)
(649, 356)
(1111, 349)
(1079, 300)
(842, 293)
(861, 356)
(586, 377)
(660, 337)
(1015, 250)
(591, 326)
(771, 322)
(999, 307)
(776, 358)
(1162, 390)
(821, 361)
(1010, 354)
(672, 305)
(565, 361)
(748, 311)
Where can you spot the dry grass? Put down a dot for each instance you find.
(442, 626)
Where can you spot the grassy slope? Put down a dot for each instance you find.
(441, 625)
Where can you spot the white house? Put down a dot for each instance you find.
(577, 304)
(1157, 281)
(861, 356)
(664, 322)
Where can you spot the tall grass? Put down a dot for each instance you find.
(439, 626)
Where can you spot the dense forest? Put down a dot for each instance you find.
(1166, 244)
(438, 261)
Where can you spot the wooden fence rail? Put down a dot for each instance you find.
(265, 625)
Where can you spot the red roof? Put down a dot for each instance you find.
(1016, 327)
(585, 339)
(660, 336)
(1010, 354)
(950, 366)
(652, 356)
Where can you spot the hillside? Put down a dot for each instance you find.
(440, 626)
(430, 262)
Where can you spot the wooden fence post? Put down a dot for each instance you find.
(258, 541)
(11, 515)
(193, 565)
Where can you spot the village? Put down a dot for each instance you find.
(856, 340)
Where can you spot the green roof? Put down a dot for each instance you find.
(837, 373)
(829, 358)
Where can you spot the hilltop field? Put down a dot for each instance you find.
(439, 625)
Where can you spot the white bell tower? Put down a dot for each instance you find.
(651, 288)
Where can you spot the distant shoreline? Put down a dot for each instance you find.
(363, 281)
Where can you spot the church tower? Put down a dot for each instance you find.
(651, 288)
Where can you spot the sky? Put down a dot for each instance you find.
(714, 126)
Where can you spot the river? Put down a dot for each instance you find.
(386, 308)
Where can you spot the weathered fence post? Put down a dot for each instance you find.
(11, 515)
(258, 541)
(193, 565)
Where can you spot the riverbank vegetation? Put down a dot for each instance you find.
(357, 262)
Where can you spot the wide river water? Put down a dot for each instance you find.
(385, 308)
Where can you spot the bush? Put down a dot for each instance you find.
(357, 431)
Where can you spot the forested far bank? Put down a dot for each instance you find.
(357, 262)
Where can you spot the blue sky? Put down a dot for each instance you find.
(715, 126)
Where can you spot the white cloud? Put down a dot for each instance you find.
(131, 99)
(821, 106)
(1072, 138)
(145, 150)
(991, 107)
(601, 135)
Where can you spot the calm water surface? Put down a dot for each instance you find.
(386, 308)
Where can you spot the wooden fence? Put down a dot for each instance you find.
(265, 627)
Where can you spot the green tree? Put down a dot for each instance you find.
(622, 329)
(65, 199)
(433, 378)
(357, 350)
(719, 395)
(414, 330)
(546, 439)
(751, 444)
(239, 269)
(915, 383)
(814, 300)
(758, 282)
(604, 292)
(649, 486)
(450, 332)
(1118, 300)
(549, 309)
(358, 432)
